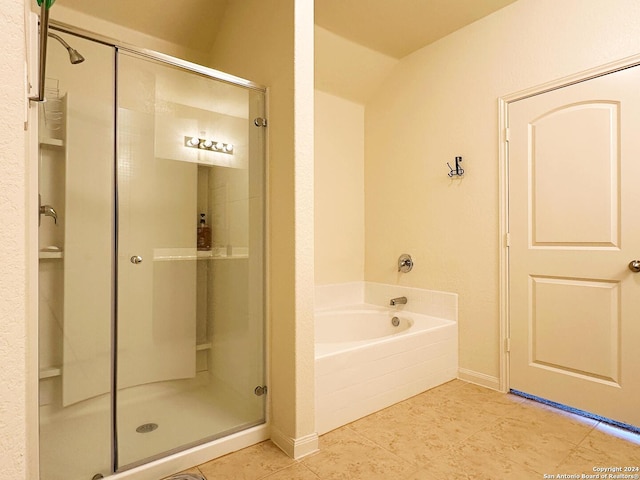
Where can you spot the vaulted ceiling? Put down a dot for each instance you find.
(400, 27)
(192, 24)
(392, 27)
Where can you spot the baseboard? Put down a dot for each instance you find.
(478, 378)
(296, 448)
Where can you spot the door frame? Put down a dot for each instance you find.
(503, 176)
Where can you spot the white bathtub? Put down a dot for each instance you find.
(364, 363)
(352, 325)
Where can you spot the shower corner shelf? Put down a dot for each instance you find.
(50, 255)
(171, 254)
(49, 372)
(215, 254)
(222, 253)
(51, 142)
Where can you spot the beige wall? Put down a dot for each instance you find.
(271, 42)
(13, 276)
(339, 190)
(441, 102)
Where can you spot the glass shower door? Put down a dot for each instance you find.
(190, 260)
(76, 187)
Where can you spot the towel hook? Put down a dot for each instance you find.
(458, 171)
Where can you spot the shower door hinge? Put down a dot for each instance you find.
(507, 344)
(507, 239)
(260, 122)
(260, 390)
(506, 134)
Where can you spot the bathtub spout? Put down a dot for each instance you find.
(398, 301)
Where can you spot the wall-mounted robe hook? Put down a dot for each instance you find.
(458, 171)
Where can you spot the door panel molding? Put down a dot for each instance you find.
(577, 188)
(551, 298)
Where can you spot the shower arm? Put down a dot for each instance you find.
(44, 30)
(60, 39)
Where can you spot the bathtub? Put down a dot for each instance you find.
(364, 363)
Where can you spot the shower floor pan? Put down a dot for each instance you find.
(75, 441)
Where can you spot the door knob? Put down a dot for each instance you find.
(634, 266)
(136, 259)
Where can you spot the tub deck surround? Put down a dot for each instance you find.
(360, 368)
(427, 302)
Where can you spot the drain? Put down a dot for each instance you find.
(147, 427)
(186, 476)
(395, 321)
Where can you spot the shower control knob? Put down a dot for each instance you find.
(634, 266)
(405, 263)
(136, 259)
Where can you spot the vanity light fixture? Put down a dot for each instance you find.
(206, 144)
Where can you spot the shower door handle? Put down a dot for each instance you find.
(136, 259)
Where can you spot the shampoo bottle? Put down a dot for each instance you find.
(204, 234)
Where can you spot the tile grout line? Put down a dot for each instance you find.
(294, 463)
(307, 467)
(456, 400)
(395, 455)
(591, 430)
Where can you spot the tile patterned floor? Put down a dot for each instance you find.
(455, 431)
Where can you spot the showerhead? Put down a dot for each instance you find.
(74, 55)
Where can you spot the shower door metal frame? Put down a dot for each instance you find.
(160, 57)
(206, 72)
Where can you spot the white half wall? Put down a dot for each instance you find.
(272, 43)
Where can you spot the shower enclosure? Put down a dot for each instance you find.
(151, 325)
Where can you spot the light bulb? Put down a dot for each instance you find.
(194, 141)
(207, 143)
(219, 146)
(228, 147)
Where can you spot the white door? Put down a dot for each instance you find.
(574, 223)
